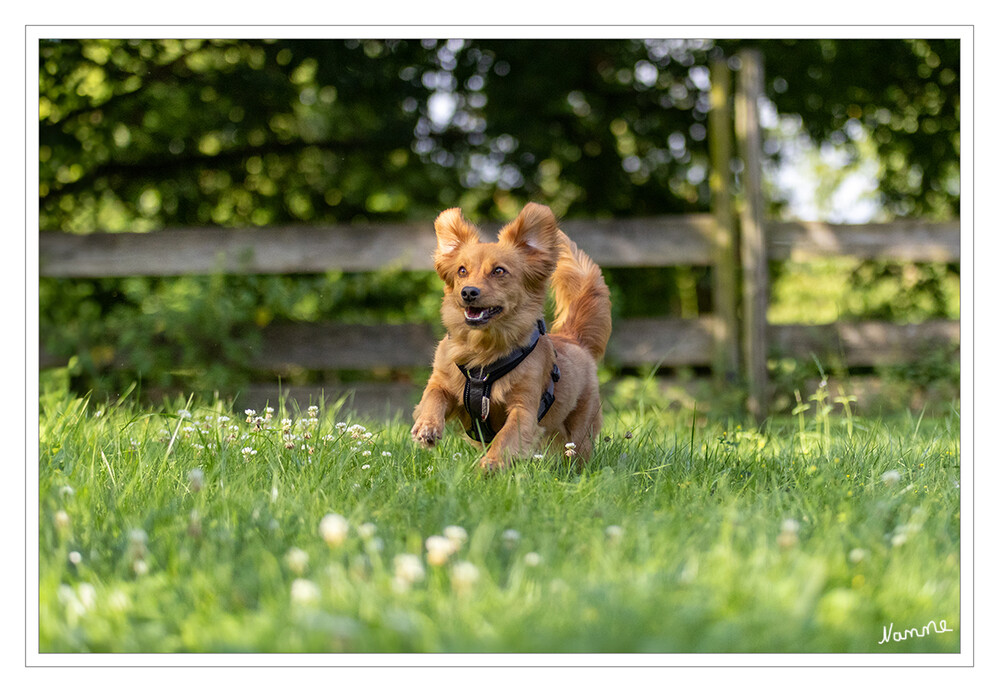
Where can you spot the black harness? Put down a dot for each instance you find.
(478, 386)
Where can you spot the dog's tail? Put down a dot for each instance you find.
(582, 300)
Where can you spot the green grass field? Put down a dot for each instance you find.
(189, 528)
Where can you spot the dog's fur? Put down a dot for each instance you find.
(513, 274)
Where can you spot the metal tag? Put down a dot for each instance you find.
(485, 407)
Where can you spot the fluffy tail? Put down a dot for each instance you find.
(582, 300)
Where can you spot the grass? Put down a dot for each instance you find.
(174, 530)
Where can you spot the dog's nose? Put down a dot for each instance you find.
(470, 294)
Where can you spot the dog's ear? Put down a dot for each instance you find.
(535, 230)
(453, 232)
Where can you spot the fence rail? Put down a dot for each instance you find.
(636, 342)
(654, 242)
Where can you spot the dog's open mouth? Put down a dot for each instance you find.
(476, 317)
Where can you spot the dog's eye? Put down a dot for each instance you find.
(499, 271)
(462, 271)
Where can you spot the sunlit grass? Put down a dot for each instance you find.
(192, 528)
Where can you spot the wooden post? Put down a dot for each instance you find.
(726, 266)
(755, 283)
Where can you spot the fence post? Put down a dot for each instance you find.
(726, 266)
(755, 288)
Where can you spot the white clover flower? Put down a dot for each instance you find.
(140, 568)
(249, 452)
(464, 575)
(366, 453)
(386, 454)
(539, 456)
(333, 528)
(184, 413)
(510, 537)
(341, 427)
(304, 592)
(66, 491)
(62, 520)
(456, 534)
(532, 559)
(366, 530)
(297, 560)
(365, 467)
(439, 544)
(137, 537)
(313, 411)
(224, 419)
(408, 568)
(858, 555)
(439, 549)
(614, 532)
(196, 478)
(788, 536)
(75, 557)
(891, 477)
(790, 526)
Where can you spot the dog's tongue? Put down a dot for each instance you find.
(474, 313)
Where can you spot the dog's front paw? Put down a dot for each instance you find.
(491, 465)
(426, 433)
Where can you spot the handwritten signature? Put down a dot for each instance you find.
(891, 635)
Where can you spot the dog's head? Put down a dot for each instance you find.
(499, 285)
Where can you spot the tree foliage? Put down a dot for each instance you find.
(143, 134)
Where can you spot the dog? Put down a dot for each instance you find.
(514, 386)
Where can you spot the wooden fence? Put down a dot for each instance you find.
(735, 340)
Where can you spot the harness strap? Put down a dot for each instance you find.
(478, 387)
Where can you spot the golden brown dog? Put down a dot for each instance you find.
(514, 387)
